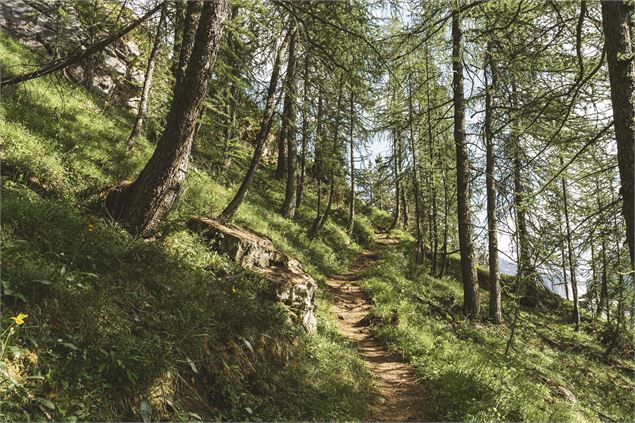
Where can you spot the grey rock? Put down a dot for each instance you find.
(293, 287)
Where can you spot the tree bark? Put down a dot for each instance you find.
(351, 206)
(190, 27)
(525, 269)
(495, 313)
(142, 205)
(289, 204)
(468, 267)
(564, 263)
(434, 235)
(261, 139)
(446, 213)
(575, 318)
(621, 62)
(305, 130)
(396, 155)
(415, 179)
(180, 7)
(229, 131)
(404, 204)
(320, 221)
(147, 82)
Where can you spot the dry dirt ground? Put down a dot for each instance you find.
(400, 395)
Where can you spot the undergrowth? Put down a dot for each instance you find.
(463, 366)
(122, 329)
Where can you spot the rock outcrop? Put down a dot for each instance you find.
(255, 251)
(54, 30)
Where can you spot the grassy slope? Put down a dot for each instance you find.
(116, 324)
(463, 366)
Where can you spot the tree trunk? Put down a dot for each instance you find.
(593, 285)
(415, 179)
(261, 139)
(434, 236)
(404, 204)
(320, 221)
(495, 313)
(621, 62)
(524, 264)
(446, 213)
(190, 27)
(351, 206)
(604, 294)
(575, 318)
(396, 155)
(142, 205)
(147, 82)
(180, 7)
(564, 273)
(468, 268)
(288, 206)
(305, 131)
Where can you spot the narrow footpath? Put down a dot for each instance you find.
(401, 396)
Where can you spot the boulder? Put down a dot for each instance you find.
(252, 250)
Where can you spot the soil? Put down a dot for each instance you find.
(400, 396)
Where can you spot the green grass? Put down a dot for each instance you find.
(118, 327)
(463, 366)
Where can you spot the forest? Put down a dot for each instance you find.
(317, 210)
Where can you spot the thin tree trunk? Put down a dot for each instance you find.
(231, 100)
(434, 236)
(564, 273)
(288, 206)
(320, 221)
(415, 178)
(261, 139)
(620, 51)
(594, 286)
(147, 82)
(305, 131)
(572, 265)
(495, 313)
(404, 203)
(604, 294)
(524, 264)
(351, 207)
(396, 153)
(143, 204)
(468, 267)
(620, 301)
(446, 213)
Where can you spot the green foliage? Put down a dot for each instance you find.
(462, 364)
(122, 329)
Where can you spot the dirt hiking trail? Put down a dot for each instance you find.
(401, 396)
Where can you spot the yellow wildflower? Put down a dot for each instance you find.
(19, 319)
(91, 227)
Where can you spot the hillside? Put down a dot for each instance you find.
(115, 323)
(295, 211)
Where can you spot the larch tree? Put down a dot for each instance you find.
(617, 20)
(463, 194)
(143, 204)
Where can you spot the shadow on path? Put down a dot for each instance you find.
(401, 396)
